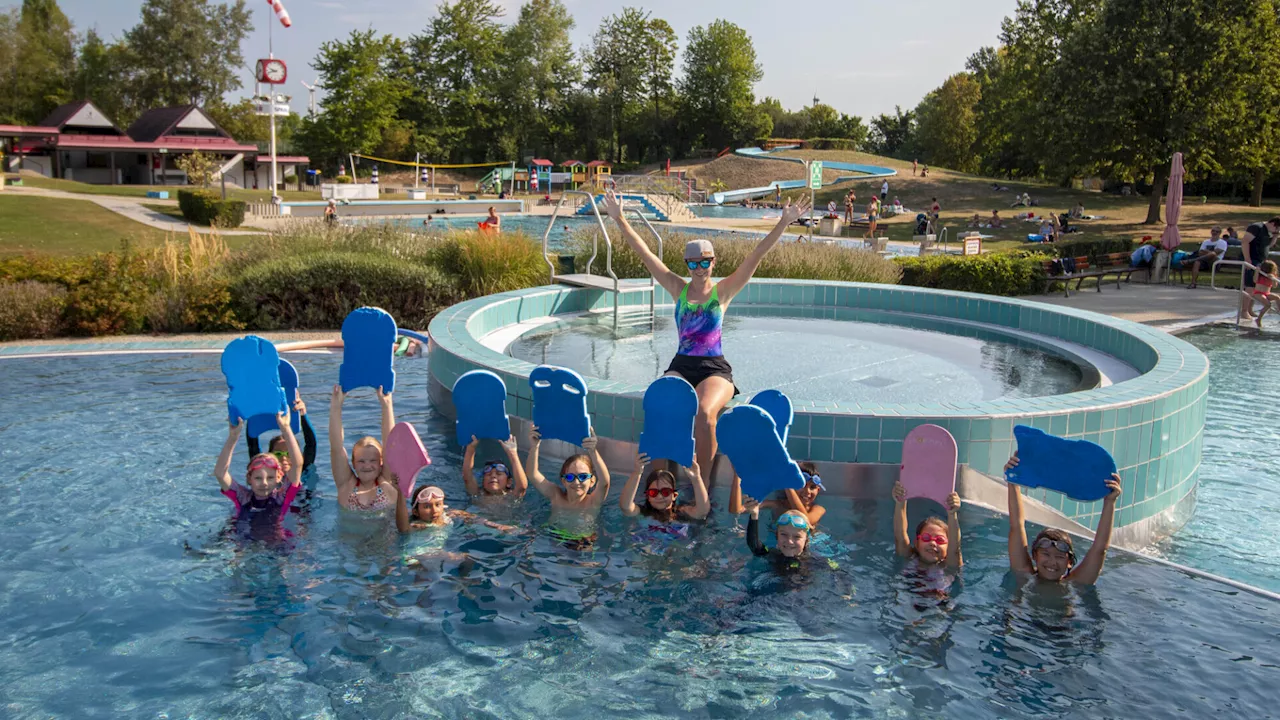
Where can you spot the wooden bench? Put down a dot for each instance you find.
(1116, 264)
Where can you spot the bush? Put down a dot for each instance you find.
(343, 179)
(30, 309)
(190, 290)
(111, 298)
(990, 273)
(832, 144)
(318, 290)
(200, 207)
(795, 260)
(1092, 247)
(67, 272)
(486, 263)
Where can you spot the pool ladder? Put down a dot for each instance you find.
(588, 280)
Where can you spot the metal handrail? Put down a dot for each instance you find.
(653, 282)
(546, 236)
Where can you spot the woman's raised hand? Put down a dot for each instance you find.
(612, 205)
(338, 397)
(233, 429)
(791, 212)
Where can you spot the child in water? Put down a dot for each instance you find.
(279, 447)
(792, 535)
(659, 506)
(263, 499)
(574, 507)
(804, 500)
(365, 483)
(498, 480)
(937, 541)
(429, 511)
(1052, 557)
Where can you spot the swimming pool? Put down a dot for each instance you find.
(811, 359)
(734, 212)
(124, 597)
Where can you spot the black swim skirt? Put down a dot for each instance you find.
(696, 368)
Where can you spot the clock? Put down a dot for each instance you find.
(272, 71)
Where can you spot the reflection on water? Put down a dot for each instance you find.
(125, 596)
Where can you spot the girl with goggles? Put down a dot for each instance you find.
(499, 479)
(1052, 556)
(791, 532)
(263, 493)
(660, 496)
(576, 501)
(936, 541)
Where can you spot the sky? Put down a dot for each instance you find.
(861, 57)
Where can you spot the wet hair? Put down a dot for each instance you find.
(510, 484)
(366, 441)
(564, 467)
(277, 440)
(648, 510)
(268, 456)
(1056, 534)
(932, 520)
(808, 467)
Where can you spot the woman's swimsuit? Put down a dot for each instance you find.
(700, 355)
(380, 500)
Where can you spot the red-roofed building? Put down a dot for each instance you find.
(78, 142)
(539, 162)
(599, 172)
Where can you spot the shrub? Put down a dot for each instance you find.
(317, 290)
(990, 273)
(832, 144)
(30, 309)
(111, 297)
(190, 288)
(200, 207)
(1091, 247)
(795, 260)
(343, 179)
(67, 272)
(486, 263)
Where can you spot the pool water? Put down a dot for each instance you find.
(1238, 499)
(815, 359)
(734, 212)
(125, 596)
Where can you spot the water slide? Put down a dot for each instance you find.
(864, 172)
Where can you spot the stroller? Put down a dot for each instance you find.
(922, 224)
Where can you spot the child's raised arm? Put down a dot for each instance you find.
(308, 434)
(953, 530)
(602, 471)
(291, 444)
(627, 501)
(1019, 558)
(388, 415)
(222, 469)
(901, 541)
(402, 514)
(814, 514)
(735, 496)
(753, 529)
(701, 501)
(1088, 570)
(531, 471)
(519, 481)
(469, 467)
(338, 465)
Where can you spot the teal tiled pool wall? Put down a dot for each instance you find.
(1152, 424)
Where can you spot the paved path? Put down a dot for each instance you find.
(130, 207)
(1170, 307)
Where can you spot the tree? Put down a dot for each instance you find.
(199, 167)
(720, 72)
(629, 67)
(363, 94)
(187, 51)
(102, 75)
(540, 72)
(947, 129)
(894, 135)
(1133, 92)
(37, 62)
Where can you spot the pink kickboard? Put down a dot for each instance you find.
(405, 456)
(929, 463)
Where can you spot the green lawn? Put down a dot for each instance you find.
(64, 226)
(72, 186)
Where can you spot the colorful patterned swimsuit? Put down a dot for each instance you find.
(699, 325)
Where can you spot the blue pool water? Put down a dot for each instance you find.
(123, 596)
(734, 212)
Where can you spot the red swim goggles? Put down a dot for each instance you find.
(935, 539)
(664, 492)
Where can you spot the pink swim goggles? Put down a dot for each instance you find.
(267, 461)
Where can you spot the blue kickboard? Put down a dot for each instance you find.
(252, 368)
(259, 424)
(779, 408)
(481, 399)
(749, 438)
(420, 337)
(560, 404)
(1078, 469)
(368, 348)
(670, 406)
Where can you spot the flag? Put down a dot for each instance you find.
(281, 12)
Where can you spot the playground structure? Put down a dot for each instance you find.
(865, 172)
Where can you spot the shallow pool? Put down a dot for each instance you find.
(735, 212)
(853, 360)
(124, 596)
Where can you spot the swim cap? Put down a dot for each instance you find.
(699, 249)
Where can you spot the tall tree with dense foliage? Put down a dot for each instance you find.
(187, 51)
(539, 75)
(720, 73)
(946, 128)
(629, 68)
(37, 62)
(102, 75)
(893, 135)
(1139, 81)
(364, 89)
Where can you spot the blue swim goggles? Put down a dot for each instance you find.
(695, 264)
(500, 467)
(577, 478)
(796, 521)
(815, 478)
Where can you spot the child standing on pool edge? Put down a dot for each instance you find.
(574, 507)
(937, 541)
(1052, 557)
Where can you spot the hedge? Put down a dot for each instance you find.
(201, 207)
(991, 273)
(30, 309)
(316, 291)
(1091, 247)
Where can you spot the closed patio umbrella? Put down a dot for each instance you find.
(1171, 238)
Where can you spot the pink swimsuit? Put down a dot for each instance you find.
(380, 500)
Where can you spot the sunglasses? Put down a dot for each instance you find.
(500, 467)
(1060, 545)
(664, 492)
(695, 264)
(578, 477)
(923, 538)
(795, 521)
